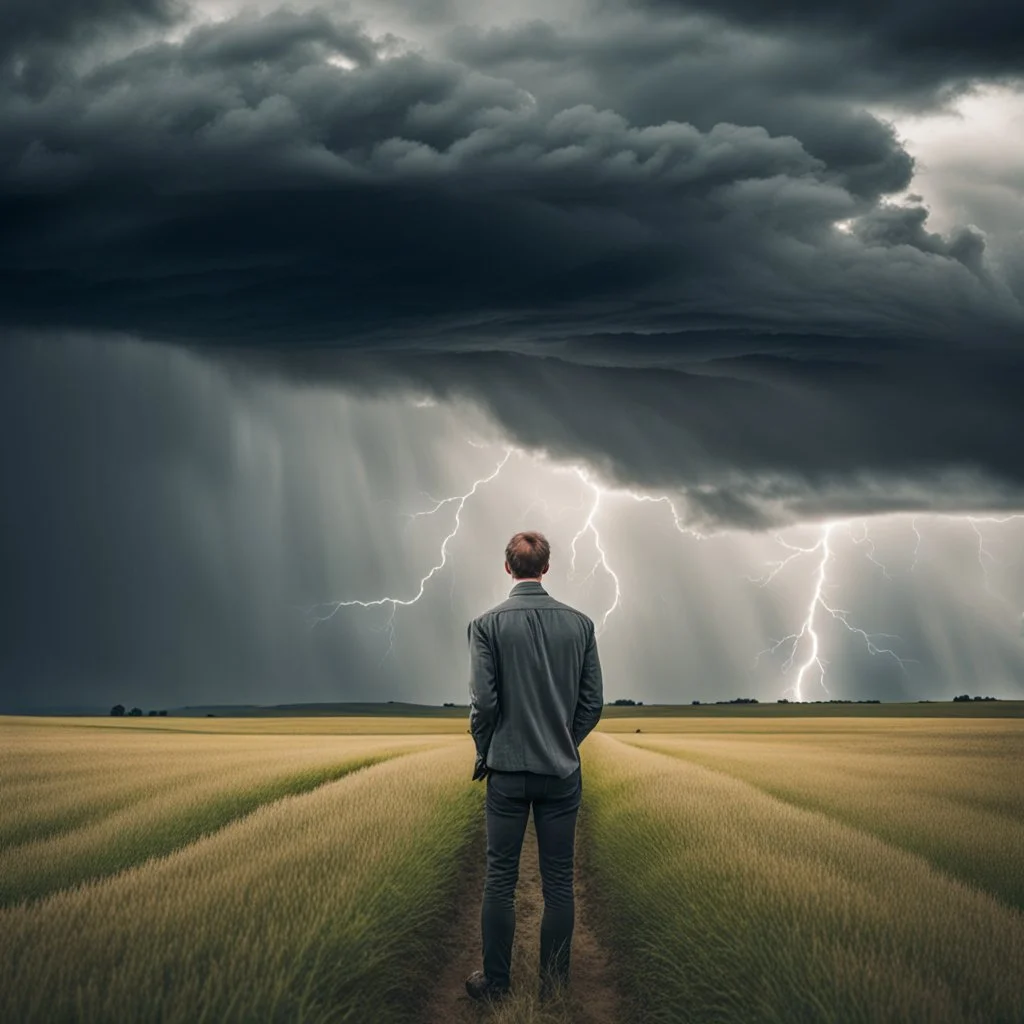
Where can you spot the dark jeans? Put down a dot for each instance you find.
(555, 805)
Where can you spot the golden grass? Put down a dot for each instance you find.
(949, 791)
(100, 803)
(329, 725)
(741, 876)
(792, 723)
(686, 714)
(56, 779)
(320, 907)
(725, 904)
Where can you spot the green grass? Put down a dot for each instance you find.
(150, 829)
(367, 724)
(724, 904)
(80, 803)
(680, 716)
(326, 907)
(747, 868)
(949, 791)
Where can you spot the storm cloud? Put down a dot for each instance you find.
(677, 242)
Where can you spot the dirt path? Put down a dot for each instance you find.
(592, 998)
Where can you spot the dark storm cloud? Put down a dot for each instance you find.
(948, 37)
(751, 441)
(665, 243)
(26, 25)
(193, 190)
(40, 41)
(694, 70)
(582, 192)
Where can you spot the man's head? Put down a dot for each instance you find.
(526, 555)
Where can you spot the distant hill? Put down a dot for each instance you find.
(767, 709)
(59, 709)
(395, 707)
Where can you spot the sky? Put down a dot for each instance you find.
(305, 309)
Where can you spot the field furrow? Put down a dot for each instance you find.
(957, 802)
(724, 904)
(323, 907)
(591, 998)
(68, 776)
(161, 805)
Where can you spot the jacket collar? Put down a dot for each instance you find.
(527, 587)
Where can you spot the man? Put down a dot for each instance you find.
(536, 692)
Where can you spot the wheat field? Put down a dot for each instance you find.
(96, 811)
(725, 903)
(949, 791)
(311, 908)
(770, 870)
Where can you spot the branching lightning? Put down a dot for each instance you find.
(808, 635)
(805, 643)
(590, 526)
(985, 557)
(864, 540)
(320, 613)
(917, 542)
(602, 557)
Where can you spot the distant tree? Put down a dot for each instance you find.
(117, 710)
(136, 712)
(694, 701)
(163, 714)
(624, 702)
(152, 713)
(449, 704)
(963, 696)
(210, 714)
(782, 700)
(639, 703)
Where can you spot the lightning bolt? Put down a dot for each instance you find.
(985, 557)
(864, 540)
(805, 643)
(602, 556)
(590, 526)
(320, 613)
(808, 634)
(917, 542)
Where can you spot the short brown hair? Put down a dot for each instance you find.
(527, 554)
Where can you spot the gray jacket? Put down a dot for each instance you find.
(535, 682)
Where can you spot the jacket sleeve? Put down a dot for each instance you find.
(483, 688)
(591, 698)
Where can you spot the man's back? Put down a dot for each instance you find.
(535, 681)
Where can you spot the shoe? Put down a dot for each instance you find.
(479, 986)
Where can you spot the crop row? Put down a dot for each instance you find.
(724, 904)
(323, 907)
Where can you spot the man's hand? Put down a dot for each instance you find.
(480, 770)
